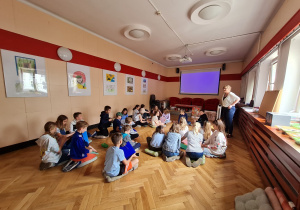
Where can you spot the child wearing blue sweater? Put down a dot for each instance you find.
(171, 146)
(124, 115)
(183, 114)
(105, 122)
(81, 151)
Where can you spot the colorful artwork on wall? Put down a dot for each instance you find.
(79, 82)
(24, 74)
(130, 85)
(110, 82)
(144, 83)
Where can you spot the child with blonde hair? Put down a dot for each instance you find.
(165, 118)
(133, 133)
(194, 150)
(207, 132)
(183, 115)
(171, 146)
(126, 138)
(183, 128)
(216, 144)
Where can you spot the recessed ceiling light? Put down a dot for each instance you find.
(209, 11)
(137, 32)
(173, 57)
(216, 51)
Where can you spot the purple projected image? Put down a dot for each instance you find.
(200, 83)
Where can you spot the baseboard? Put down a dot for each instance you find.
(29, 143)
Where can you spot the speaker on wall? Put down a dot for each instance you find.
(224, 66)
(177, 70)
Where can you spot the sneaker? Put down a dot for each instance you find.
(90, 140)
(138, 126)
(136, 149)
(197, 163)
(188, 161)
(71, 165)
(94, 134)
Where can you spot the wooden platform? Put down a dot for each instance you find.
(154, 185)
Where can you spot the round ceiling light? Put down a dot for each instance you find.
(173, 57)
(137, 32)
(216, 51)
(143, 73)
(64, 53)
(209, 11)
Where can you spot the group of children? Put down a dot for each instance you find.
(57, 146)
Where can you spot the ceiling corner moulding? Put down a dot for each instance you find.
(209, 11)
(137, 32)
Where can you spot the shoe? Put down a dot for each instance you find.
(90, 140)
(94, 134)
(145, 125)
(138, 126)
(100, 137)
(229, 136)
(164, 157)
(197, 163)
(71, 165)
(137, 149)
(222, 156)
(188, 161)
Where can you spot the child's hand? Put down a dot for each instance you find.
(92, 149)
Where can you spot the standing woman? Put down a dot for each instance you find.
(228, 108)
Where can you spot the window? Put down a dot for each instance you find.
(272, 75)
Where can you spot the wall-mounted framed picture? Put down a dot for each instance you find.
(79, 82)
(144, 83)
(130, 85)
(24, 74)
(110, 81)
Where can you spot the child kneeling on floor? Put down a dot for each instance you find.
(115, 162)
(155, 143)
(194, 151)
(171, 146)
(80, 155)
(51, 152)
(216, 145)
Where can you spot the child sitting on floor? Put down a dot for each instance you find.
(51, 152)
(207, 132)
(133, 133)
(61, 133)
(117, 123)
(79, 117)
(155, 122)
(144, 112)
(137, 117)
(115, 162)
(183, 128)
(183, 115)
(124, 115)
(216, 145)
(171, 146)
(203, 117)
(155, 143)
(80, 155)
(156, 109)
(126, 138)
(194, 150)
(165, 118)
(105, 122)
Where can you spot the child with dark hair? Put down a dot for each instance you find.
(155, 143)
(133, 133)
(105, 122)
(124, 115)
(61, 133)
(115, 162)
(51, 152)
(78, 116)
(144, 112)
(117, 123)
(216, 144)
(81, 152)
(137, 117)
(203, 117)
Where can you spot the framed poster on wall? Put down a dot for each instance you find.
(24, 74)
(130, 85)
(79, 82)
(144, 83)
(110, 82)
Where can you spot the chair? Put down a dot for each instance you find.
(198, 102)
(186, 101)
(211, 104)
(173, 101)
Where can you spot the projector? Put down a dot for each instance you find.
(185, 59)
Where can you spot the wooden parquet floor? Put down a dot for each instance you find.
(154, 185)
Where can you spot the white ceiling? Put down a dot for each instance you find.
(237, 31)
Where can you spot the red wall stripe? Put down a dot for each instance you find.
(223, 77)
(282, 33)
(19, 43)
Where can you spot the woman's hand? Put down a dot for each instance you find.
(229, 107)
